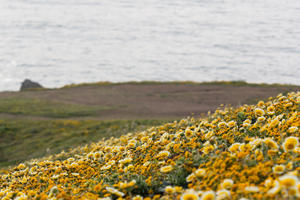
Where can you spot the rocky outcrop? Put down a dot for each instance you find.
(28, 84)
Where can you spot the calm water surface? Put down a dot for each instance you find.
(56, 42)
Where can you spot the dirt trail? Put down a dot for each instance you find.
(148, 101)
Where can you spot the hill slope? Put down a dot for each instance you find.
(144, 100)
(27, 139)
(249, 152)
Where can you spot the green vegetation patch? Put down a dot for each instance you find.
(22, 140)
(38, 107)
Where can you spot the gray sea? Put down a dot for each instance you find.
(57, 42)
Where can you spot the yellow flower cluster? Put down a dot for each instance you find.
(251, 152)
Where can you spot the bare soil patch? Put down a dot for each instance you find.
(150, 101)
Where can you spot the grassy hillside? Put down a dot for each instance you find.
(249, 152)
(44, 108)
(22, 140)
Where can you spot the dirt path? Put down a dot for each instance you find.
(149, 101)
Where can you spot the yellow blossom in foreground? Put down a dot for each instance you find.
(199, 172)
(138, 197)
(223, 194)
(270, 143)
(246, 123)
(297, 150)
(125, 160)
(190, 195)
(115, 191)
(278, 169)
(261, 104)
(261, 119)
(163, 154)
(271, 110)
(21, 166)
(188, 133)
(231, 124)
(90, 155)
(190, 177)
(170, 190)
(222, 124)
(275, 190)
(234, 147)
(208, 195)
(288, 181)
(293, 129)
(259, 112)
(274, 123)
(166, 169)
(208, 149)
(289, 166)
(227, 184)
(290, 143)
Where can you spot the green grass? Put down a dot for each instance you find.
(38, 107)
(22, 140)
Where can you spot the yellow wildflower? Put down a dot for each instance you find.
(227, 183)
(231, 124)
(246, 123)
(290, 144)
(115, 191)
(270, 143)
(199, 172)
(178, 189)
(274, 123)
(21, 166)
(223, 194)
(190, 177)
(261, 119)
(208, 195)
(208, 149)
(222, 124)
(166, 169)
(271, 110)
(125, 160)
(288, 181)
(259, 112)
(170, 190)
(163, 154)
(276, 189)
(293, 129)
(189, 195)
(289, 166)
(278, 169)
(188, 133)
(234, 147)
(261, 104)
(138, 197)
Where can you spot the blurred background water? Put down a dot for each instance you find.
(57, 42)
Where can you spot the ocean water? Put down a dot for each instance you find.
(57, 42)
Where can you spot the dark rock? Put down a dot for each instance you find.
(28, 84)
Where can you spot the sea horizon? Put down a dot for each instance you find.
(57, 43)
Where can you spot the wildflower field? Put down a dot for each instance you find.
(251, 152)
(24, 139)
